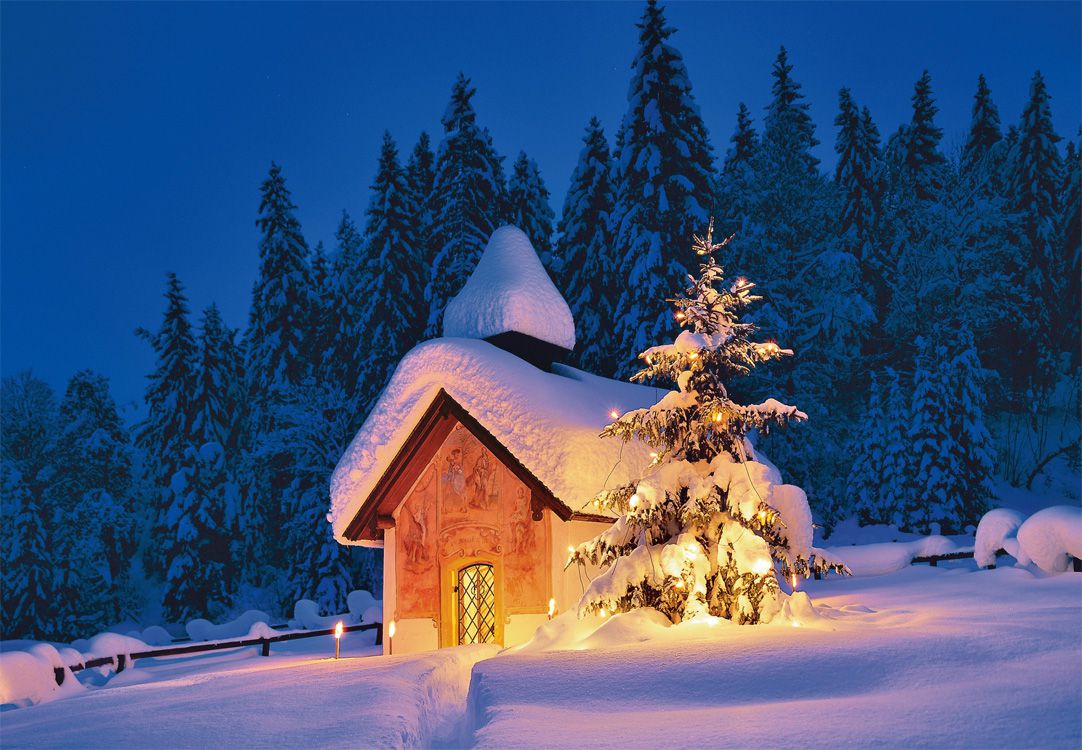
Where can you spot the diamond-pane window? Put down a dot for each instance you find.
(476, 604)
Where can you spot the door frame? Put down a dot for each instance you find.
(449, 597)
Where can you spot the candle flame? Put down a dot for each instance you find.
(390, 630)
(338, 629)
(552, 607)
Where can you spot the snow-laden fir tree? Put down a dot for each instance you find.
(28, 583)
(95, 533)
(664, 184)
(984, 129)
(420, 173)
(1071, 243)
(468, 201)
(924, 163)
(859, 189)
(737, 176)
(702, 531)
(951, 459)
(281, 301)
(392, 321)
(341, 361)
(529, 209)
(323, 322)
(585, 254)
(28, 417)
(877, 484)
(1034, 173)
(204, 497)
(313, 428)
(164, 434)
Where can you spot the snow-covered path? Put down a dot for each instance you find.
(949, 658)
(279, 702)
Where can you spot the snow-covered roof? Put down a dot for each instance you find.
(510, 291)
(549, 421)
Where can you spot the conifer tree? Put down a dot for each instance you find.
(702, 530)
(878, 485)
(28, 417)
(28, 590)
(281, 301)
(313, 428)
(391, 323)
(788, 132)
(468, 201)
(924, 163)
(94, 538)
(1034, 181)
(420, 174)
(216, 395)
(341, 361)
(984, 130)
(585, 255)
(737, 179)
(1070, 228)
(664, 184)
(198, 547)
(165, 433)
(529, 209)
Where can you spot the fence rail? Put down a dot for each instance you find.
(120, 661)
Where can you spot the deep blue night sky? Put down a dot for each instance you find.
(134, 137)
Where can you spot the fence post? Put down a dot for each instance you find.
(266, 647)
(121, 662)
(1076, 565)
(379, 634)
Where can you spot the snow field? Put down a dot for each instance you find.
(928, 657)
(303, 700)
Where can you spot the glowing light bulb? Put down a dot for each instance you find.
(613, 414)
(680, 315)
(633, 501)
(693, 355)
(717, 416)
(761, 566)
(571, 550)
(679, 584)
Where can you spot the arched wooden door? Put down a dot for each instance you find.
(475, 599)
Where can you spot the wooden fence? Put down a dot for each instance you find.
(120, 661)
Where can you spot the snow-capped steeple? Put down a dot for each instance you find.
(510, 300)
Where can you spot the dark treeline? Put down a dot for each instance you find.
(931, 299)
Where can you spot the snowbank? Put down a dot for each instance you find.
(204, 630)
(565, 412)
(996, 531)
(887, 557)
(510, 291)
(27, 677)
(1050, 537)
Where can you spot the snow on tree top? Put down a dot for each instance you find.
(510, 291)
(550, 421)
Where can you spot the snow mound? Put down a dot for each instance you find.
(373, 613)
(204, 630)
(888, 557)
(510, 291)
(996, 531)
(1049, 537)
(27, 677)
(359, 602)
(306, 617)
(550, 421)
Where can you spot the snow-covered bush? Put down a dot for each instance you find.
(703, 529)
(27, 677)
(203, 630)
(996, 531)
(1050, 537)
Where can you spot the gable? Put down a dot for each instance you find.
(422, 444)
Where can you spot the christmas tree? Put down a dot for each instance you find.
(707, 527)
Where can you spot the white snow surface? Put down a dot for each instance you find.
(204, 630)
(1049, 536)
(550, 421)
(889, 557)
(510, 291)
(947, 657)
(996, 531)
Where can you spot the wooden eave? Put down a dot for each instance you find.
(413, 457)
